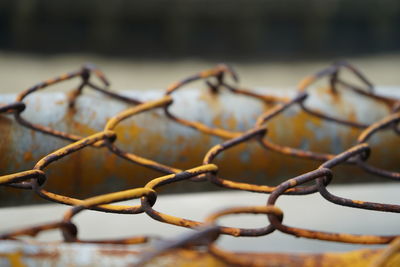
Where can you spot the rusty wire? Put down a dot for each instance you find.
(208, 230)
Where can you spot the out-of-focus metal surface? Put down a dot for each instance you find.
(271, 249)
(92, 171)
(17, 254)
(316, 212)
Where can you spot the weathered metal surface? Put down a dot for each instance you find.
(151, 135)
(16, 254)
(356, 154)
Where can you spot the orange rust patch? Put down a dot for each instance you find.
(305, 82)
(232, 123)
(15, 259)
(118, 252)
(6, 142)
(28, 156)
(45, 255)
(217, 121)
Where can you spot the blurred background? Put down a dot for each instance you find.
(217, 30)
(150, 44)
(272, 43)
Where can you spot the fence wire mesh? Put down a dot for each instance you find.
(221, 77)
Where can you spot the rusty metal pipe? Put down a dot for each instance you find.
(153, 136)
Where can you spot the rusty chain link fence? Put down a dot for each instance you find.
(222, 77)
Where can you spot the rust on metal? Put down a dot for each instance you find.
(260, 132)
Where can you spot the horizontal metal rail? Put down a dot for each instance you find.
(155, 137)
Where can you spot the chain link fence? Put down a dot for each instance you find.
(221, 77)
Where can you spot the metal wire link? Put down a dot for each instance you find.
(209, 230)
